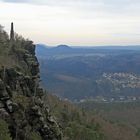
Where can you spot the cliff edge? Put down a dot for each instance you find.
(21, 99)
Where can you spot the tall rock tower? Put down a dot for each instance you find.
(12, 32)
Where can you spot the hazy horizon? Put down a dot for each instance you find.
(75, 23)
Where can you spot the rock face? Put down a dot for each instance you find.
(21, 98)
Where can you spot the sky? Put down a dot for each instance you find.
(74, 22)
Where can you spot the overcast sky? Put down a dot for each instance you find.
(74, 22)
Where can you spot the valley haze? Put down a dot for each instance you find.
(81, 73)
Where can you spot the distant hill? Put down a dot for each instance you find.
(44, 49)
(62, 47)
(78, 73)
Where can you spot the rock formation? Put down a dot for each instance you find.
(21, 98)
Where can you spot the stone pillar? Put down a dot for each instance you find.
(12, 32)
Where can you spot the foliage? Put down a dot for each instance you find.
(22, 100)
(77, 131)
(85, 123)
(4, 42)
(116, 112)
(76, 123)
(4, 131)
(4, 39)
(7, 58)
(34, 136)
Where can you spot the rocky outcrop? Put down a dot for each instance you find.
(21, 98)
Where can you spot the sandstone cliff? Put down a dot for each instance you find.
(21, 98)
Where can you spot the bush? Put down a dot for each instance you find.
(4, 131)
(34, 136)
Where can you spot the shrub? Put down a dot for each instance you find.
(4, 131)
